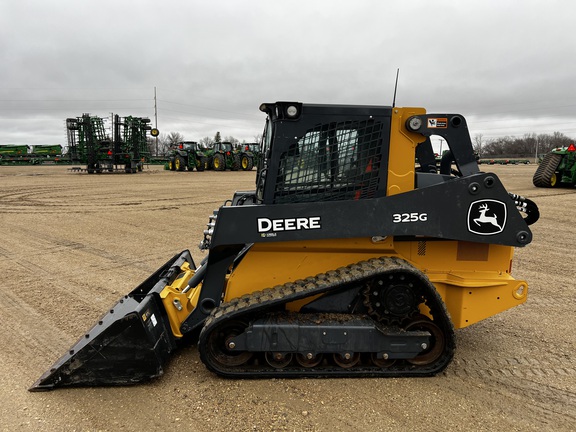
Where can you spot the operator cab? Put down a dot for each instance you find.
(340, 152)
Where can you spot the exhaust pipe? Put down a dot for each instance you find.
(128, 345)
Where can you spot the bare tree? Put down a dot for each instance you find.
(161, 147)
(232, 140)
(206, 142)
(524, 146)
(561, 140)
(478, 144)
(174, 137)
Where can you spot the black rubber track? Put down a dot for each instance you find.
(261, 302)
(546, 169)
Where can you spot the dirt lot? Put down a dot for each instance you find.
(72, 244)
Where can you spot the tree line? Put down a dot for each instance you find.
(529, 145)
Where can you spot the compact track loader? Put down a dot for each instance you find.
(354, 256)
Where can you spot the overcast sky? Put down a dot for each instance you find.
(507, 65)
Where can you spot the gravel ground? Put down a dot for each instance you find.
(72, 244)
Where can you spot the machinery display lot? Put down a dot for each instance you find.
(72, 244)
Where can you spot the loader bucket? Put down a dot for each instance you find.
(129, 344)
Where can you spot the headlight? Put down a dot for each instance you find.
(292, 111)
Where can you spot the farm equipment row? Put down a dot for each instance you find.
(123, 148)
(12, 154)
(504, 161)
(189, 155)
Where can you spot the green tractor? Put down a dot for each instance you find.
(188, 155)
(557, 168)
(250, 156)
(224, 157)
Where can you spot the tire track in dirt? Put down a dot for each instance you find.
(4, 252)
(47, 200)
(63, 283)
(548, 404)
(26, 334)
(530, 380)
(517, 367)
(548, 194)
(560, 302)
(19, 197)
(57, 245)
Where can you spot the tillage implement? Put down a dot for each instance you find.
(354, 256)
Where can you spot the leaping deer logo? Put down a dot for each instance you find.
(483, 218)
(487, 217)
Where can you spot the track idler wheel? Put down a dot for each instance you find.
(437, 341)
(220, 348)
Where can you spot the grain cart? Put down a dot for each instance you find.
(557, 168)
(187, 155)
(344, 261)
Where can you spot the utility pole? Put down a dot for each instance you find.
(156, 119)
(154, 131)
